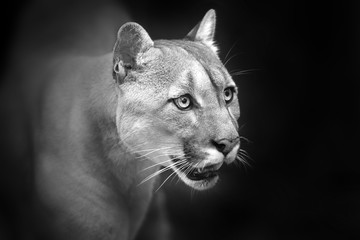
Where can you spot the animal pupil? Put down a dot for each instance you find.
(228, 94)
(184, 100)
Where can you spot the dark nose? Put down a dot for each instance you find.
(225, 145)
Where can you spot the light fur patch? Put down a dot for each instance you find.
(232, 155)
(201, 81)
(213, 157)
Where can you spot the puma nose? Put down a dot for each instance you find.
(225, 145)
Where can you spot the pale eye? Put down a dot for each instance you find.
(228, 94)
(183, 102)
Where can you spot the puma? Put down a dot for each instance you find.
(105, 127)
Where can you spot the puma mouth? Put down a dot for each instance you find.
(198, 178)
(207, 173)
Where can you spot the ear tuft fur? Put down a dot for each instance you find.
(204, 31)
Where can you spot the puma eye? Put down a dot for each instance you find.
(183, 102)
(228, 94)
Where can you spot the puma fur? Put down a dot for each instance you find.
(107, 126)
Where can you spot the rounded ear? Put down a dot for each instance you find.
(132, 41)
(204, 31)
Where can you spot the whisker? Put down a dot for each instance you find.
(241, 127)
(159, 172)
(168, 146)
(246, 139)
(243, 72)
(155, 174)
(174, 147)
(244, 153)
(188, 169)
(237, 162)
(162, 155)
(175, 174)
(242, 159)
(231, 48)
(158, 164)
(230, 59)
(182, 170)
(151, 151)
(166, 180)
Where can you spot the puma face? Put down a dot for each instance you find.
(186, 120)
(178, 105)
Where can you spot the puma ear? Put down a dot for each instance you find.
(132, 41)
(204, 31)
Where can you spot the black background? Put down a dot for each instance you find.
(300, 107)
